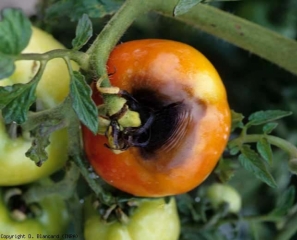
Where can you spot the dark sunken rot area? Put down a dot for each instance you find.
(167, 117)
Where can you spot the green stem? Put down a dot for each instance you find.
(250, 219)
(276, 141)
(76, 212)
(240, 32)
(64, 188)
(289, 230)
(76, 155)
(111, 34)
(56, 114)
(81, 58)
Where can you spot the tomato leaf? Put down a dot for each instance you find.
(82, 103)
(262, 117)
(264, 150)
(269, 127)
(93, 8)
(236, 120)
(252, 162)
(84, 32)
(15, 31)
(7, 66)
(184, 6)
(285, 202)
(37, 151)
(188, 207)
(233, 150)
(225, 170)
(16, 100)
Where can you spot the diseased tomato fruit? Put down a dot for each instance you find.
(52, 89)
(185, 119)
(152, 219)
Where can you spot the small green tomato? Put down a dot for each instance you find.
(152, 220)
(222, 193)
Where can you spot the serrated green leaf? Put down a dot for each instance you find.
(236, 120)
(262, 117)
(184, 6)
(15, 32)
(93, 8)
(264, 149)
(37, 151)
(83, 33)
(6, 66)
(252, 162)
(16, 100)
(82, 103)
(269, 127)
(285, 202)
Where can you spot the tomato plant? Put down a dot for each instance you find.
(151, 219)
(181, 94)
(150, 118)
(52, 89)
(49, 217)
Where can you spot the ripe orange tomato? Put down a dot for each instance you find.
(191, 123)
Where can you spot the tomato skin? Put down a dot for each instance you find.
(53, 220)
(173, 72)
(52, 89)
(219, 193)
(153, 219)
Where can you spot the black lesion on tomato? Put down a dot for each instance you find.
(159, 120)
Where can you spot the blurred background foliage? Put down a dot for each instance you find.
(252, 84)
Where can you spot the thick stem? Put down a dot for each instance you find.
(111, 34)
(240, 32)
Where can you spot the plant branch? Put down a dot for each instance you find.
(240, 32)
(111, 34)
(276, 141)
(80, 57)
(64, 188)
(289, 229)
(77, 156)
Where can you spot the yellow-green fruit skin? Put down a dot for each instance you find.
(153, 219)
(15, 167)
(53, 220)
(222, 193)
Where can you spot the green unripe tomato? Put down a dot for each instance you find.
(153, 219)
(52, 89)
(53, 219)
(222, 193)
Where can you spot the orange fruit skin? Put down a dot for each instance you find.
(178, 73)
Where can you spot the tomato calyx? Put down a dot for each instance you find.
(119, 211)
(162, 123)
